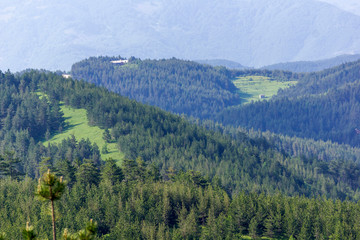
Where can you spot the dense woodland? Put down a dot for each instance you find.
(240, 162)
(318, 83)
(182, 87)
(294, 146)
(323, 106)
(208, 180)
(135, 202)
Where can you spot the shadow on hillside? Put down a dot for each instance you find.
(244, 97)
(67, 126)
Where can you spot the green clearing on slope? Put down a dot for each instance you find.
(77, 125)
(253, 86)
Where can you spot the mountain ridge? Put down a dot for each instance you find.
(313, 66)
(38, 34)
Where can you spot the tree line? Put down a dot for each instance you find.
(136, 201)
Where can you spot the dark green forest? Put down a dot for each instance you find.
(182, 87)
(136, 202)
(322, 106)
(294, 146)
(240, 162)
(187, 182)
(319, 83)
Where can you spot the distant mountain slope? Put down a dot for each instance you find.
(174, 85)
(323, 105)
(53, 35)
(313, 66)
(321, 83)
(222, 62)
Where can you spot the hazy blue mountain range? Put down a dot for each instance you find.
(313, 66)
(53, 35)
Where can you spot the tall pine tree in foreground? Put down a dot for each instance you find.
(50, 188)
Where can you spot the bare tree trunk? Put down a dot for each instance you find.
(53, 216)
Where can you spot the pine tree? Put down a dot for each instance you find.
(28, 233)
(188, 224)
(87, 173)
(305, 232)
(104, 149)
(166, 208)
(47, 135)
(88, 233)
(66, 170)
(269, 226)
(8, 165)
(131, 170)
(107, 136)
(112, 172)
(45, 165)
(50, 188)
(253, 227)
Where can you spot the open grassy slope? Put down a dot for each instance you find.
(252, 86)
(77, 125)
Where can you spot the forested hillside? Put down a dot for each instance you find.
(173, 85)
(319, 83)
(186, 181)
(239, 162)
(323, 105)
(134, 202)
(297, 147)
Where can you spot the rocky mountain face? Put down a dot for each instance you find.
(53, 35)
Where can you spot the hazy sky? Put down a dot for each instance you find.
(55, 34)
(352, 6)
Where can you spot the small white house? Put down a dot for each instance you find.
(120, 61)
(261, 96)
(66, 76)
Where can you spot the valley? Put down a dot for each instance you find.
(255, 88)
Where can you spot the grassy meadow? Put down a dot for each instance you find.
(252, 86)
(77, 125)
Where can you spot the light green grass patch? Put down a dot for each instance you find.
(253, 86)
(129, 66)
(78, 126)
